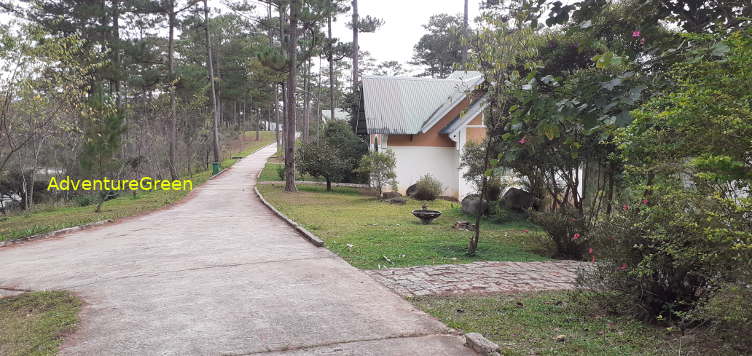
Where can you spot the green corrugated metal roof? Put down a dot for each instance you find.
(403, 105)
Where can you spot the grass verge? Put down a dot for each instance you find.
(370, 234)
(270, 173)
(43, 220)
(35, 323)
(552, 324)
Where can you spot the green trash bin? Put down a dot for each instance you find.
(215, 168)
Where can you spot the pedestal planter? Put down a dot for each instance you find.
(426, 216)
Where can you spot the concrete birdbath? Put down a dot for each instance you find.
(425, 215)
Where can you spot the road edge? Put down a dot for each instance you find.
(312, 238)
(55, 233)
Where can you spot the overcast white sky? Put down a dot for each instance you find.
(403, 27)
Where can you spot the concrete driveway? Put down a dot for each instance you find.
(220, 275)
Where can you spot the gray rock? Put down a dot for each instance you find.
(464, 225)
(390, 195)
(411, 190)
(471, 205)
(480, 344)
(398, 201)
(517, 199)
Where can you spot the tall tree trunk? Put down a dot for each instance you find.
(285, 105)
(115, 48)
(276, 115)
(307, 103)
(317, 113)
(292, 83)
(215, 104)
(330, 58)
(173, 135)
(356, 46)
(275, 105)
(465, 33)
(472, 246)
(258, 124)
(283, 39)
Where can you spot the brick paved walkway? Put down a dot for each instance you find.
(479, 278)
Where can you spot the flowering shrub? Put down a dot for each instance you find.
(568, 231)
(665, 256)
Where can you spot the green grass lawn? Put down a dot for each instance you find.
(35, 323)
(45, 220)
(370, 234)
(270, 173)
(530, 324)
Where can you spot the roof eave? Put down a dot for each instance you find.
(472, 113)
(434, 119)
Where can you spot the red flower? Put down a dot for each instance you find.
(645, 201)
(642, 41)
(625, 207)
(592, 259)
(636, 34)
(590, 251)
(623, 267)
(576, 236)
(523, 141)
(526, 231)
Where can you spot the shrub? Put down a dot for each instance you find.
(320, 159)
(494, 188)
(379, 166)
(349, 149)
(281, 171)
(728, 312)
(84, 200)
(665, 256)
(568, 231)
(428, 188)
(472, 161)
(503, 215)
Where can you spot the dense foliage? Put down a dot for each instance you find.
(379, 166)
(428, 188)
(688, 244)
(334, 155)
(440, 49)
(631, 121)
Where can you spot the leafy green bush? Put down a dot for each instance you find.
(494, 188)
(428, 188)
(281, 171)
(84, 200)
(568, 231)
(728, 312)
(379, 166)
(334, 155)
(663, 257)
(503, 215)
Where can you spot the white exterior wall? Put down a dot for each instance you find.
(414, 162)
(465, 187)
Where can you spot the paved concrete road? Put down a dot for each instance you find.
(220, 275)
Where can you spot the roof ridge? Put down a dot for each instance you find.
(413, 78)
